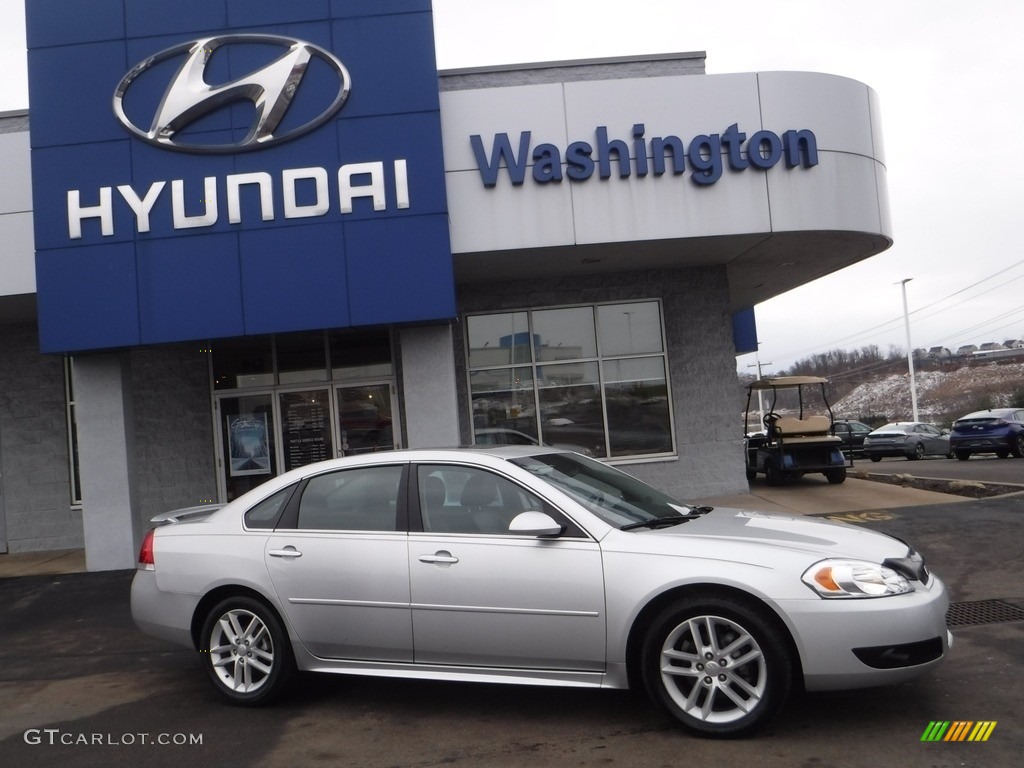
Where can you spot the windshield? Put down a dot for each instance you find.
(614, 496)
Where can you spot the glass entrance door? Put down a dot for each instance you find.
(248, 444)
(264, 434)
(306, 434)
(365, 419)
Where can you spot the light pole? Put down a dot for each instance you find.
(910, 349)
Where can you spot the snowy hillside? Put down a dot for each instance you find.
(941, 395)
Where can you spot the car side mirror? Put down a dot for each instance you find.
(534, 524)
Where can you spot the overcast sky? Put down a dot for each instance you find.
(950, 78)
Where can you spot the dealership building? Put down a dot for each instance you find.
(241, 236)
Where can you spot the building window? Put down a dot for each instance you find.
(74, 477)
(591, 378)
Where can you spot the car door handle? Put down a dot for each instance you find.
(442, 557)
(286, 552)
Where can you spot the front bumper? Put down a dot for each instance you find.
(860, 643)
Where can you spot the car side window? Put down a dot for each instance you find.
(457, 499)
(266, 513)
(359, 499)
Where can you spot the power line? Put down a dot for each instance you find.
(891, 323)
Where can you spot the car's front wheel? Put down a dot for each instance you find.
(963, 455)
(246, 651)
(876, 458)
(721, 667)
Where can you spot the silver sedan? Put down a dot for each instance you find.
(912, 440)
(534, 566)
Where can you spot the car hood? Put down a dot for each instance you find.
(751, 531)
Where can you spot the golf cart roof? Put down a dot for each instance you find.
(786, 381)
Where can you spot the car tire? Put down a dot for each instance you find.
(962, 455)
(751, 474)
(835, 476)
(688, 671)
(246, 651)
(1002, 453)
(876, 459)
(917, 454)
(1017, 448)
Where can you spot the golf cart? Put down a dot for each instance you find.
(794, 441)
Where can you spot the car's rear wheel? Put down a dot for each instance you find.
(721, 667)
(876, 458)
(772, 474)
(1002, 453)
(247, 653)
(1017, 448)
(835, 476)
(962, 455)
(917, 453)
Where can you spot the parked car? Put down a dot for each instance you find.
(797, 439)
(852, 433)
(533, 565)
(997, 430)
(911, 439)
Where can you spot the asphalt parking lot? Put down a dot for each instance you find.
(81, 687)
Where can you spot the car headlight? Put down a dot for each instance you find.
(854, 578)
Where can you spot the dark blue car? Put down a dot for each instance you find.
(997, 430)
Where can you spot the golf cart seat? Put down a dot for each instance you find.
(811, 429)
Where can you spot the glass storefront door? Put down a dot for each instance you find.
(365, 419)
(248, 442)
(264, 434)
(286, 401)
(306, 435)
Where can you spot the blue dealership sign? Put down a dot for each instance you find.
(234, 167)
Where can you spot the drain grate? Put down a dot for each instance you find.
(982, 612)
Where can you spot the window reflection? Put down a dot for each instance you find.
(504, 408)
(570, 405)
(301, 357)
(360, 355)
(589, 378)
(501, 339)
(244, 362)
(565, 334)
(629, 329)
(638, 408)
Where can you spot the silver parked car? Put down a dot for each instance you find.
(910, 439)
(530, 565)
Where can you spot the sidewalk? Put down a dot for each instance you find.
(814, 495)
(810, 496)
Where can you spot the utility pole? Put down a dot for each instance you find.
(760, 393)
(910, 349)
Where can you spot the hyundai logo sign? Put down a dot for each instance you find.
(190, 97)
